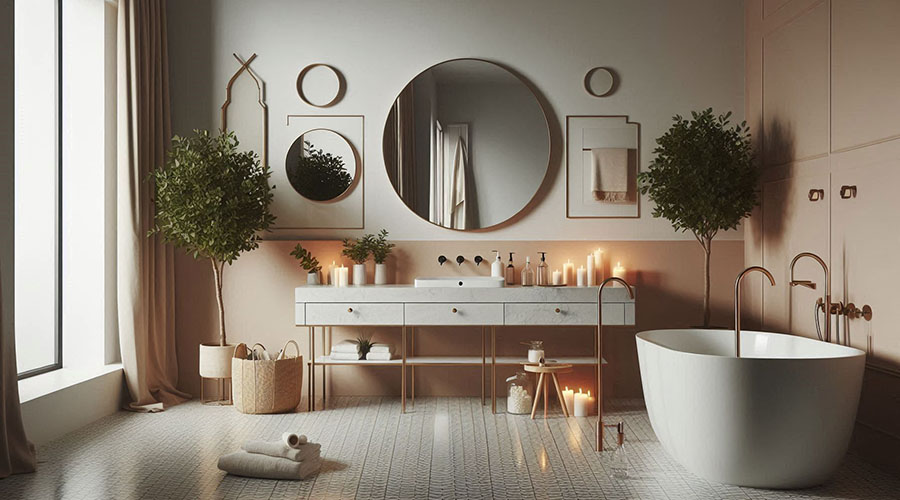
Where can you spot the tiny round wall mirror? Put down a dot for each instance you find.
(320, 85)
(599, 82)
(321, 165)
(466, 144)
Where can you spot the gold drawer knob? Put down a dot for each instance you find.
(453, 310)
(349, 309)
(557, 311)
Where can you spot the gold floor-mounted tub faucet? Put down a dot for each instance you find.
(737, 303)
(600, 353)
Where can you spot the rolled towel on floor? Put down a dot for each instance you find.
(241, 463)
(278, 449)
(293, 440)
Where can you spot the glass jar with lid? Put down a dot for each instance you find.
(519, 394)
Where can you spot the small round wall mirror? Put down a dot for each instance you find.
(321, 165)
(320, 85)
(466, 144)
(599, 82)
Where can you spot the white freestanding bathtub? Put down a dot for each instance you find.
(780, 416)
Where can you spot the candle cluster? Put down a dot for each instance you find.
(339, 276)
(579, 404)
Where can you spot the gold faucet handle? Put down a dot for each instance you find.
(808, 284)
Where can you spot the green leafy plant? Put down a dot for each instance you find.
(379, 246)
(356, 250)
(307, 261)
(212, 201)
(319, 176)
(703, 179)
(365, 345)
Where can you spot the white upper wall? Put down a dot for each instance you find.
(671, 57)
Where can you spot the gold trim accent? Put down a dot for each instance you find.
(342, 85)
(637, 194)
(261, 89)
(531, 201)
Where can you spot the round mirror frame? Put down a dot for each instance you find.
(339, 93)
(356, 170)
(540, 104)
(587, 82)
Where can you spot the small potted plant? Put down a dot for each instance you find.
(703, 180)
(358, 252)
(309, 263)
(212, 201)
(381, 248)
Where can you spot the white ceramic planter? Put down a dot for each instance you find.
(359, 274)
(215, 360)
(312, 279)
(380, 274)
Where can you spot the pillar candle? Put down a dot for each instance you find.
(591, 401)
(591, 273)
(557, 278)
(598, 264)
(331, 275)
(618, 272)
(343, 276)
(581, 404)
(568, 273)
(569, 398)
(581, 279)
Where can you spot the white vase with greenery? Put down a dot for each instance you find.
(381, 248)
(309, 264)
(358, 251)
(212, 201)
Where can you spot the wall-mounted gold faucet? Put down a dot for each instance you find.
(826, 293)
(737, 303)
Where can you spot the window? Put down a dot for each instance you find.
(37, 181)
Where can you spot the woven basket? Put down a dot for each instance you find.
(266, 386)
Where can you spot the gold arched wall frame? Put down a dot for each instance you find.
(261, 99)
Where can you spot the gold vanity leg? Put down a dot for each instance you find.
(403, 370)
(312, 370)
(324, 369)
(599, 377)
(412, 347)
(482, 365)
(494, 369)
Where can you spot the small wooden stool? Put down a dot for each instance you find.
(547, 372)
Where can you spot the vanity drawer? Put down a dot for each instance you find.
(547, 313)
(342, 313)
(454, 314)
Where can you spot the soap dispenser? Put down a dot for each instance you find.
(543, 274)
(497, 266)
(527, 273)
(510, 271)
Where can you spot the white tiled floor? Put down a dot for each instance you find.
(443, 448)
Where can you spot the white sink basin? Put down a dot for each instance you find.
(460, 282)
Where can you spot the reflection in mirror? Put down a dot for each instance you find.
(466, 144)
(321, 165)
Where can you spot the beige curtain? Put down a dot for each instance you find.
(400, 147)
(145, 266)
(16, 452)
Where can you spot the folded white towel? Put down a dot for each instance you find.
(344, 356)
(293, 440)
(382, 348)
(378, 356)
(241, 463)
(345, 346)
(609, 174)
(278, 449)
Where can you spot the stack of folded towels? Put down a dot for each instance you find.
(380, 352)
(292, 457)
(345, 350)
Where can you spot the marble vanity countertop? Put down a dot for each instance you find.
(410, 294)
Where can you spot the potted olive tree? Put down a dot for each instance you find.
(703, 180)
(212, 201)
(380, 248)
(309, 264)
(358, 251)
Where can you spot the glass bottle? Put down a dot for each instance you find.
(519, 396)
(620, 456)
(510, 271)
(527, 273)
(543, 274)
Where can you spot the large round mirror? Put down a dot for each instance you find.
(466, 144)
(321, 165)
